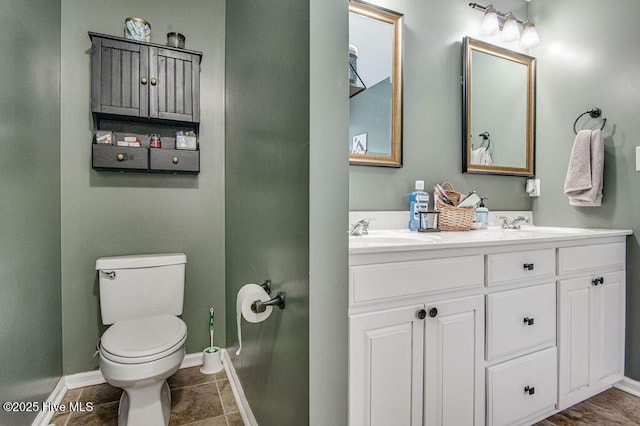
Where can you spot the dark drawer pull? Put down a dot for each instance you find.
(530, 390)
(421, 314)
(596, 281)
(433, 312)
(528, 321)
(528, 266)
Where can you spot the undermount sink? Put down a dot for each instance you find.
(391, 238)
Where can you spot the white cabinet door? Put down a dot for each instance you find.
(591, 335)
(454, 352)
(386, 367)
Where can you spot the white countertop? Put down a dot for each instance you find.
(394, 240)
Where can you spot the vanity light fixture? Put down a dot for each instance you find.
(490, 24)
(495, 21)
(530, 36)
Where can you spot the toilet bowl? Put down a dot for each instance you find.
(138, 356)
(140, 297)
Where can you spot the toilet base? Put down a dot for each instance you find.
(149, 408)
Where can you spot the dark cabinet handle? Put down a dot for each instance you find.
(528, 266)
(433, 312)
(530, 390)
(596, 281)
(528, 321)
(421, 314)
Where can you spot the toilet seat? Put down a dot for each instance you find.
(142, 340)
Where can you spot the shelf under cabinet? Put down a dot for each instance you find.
(144, 159)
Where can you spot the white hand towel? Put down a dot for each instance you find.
(584, 181)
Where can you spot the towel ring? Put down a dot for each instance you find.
(593, 113)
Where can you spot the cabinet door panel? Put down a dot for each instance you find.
(574, 340)
(174, 97)
(454, 385)
(117, 70)
(385, 368)
(609, 329)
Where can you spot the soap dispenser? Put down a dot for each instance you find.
(418, 202)
(482, 214)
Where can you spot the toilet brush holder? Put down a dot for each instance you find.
(211, 360)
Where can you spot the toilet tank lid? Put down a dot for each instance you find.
(140, 261)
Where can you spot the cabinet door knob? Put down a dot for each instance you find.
(530, 390)
(120, 156)
(421, 314)
(596, 281)
(433, 312)
(528, 266)
(175, 160)
(154, 81)
(528, 321)
(143, 80)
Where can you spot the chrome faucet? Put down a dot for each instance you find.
(513, 224)
(361, 227)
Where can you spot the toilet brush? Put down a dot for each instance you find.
(211, 316)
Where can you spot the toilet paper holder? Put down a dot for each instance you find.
(259, 306)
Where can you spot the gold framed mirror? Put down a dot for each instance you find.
(375, 84)
(498, 107)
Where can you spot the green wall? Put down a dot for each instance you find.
(30, 304)
(105, 213)
(329, 204)
(432, 147)
(588, 59)
(267, 199)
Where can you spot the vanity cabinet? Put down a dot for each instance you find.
(131, 78)
(489, 334)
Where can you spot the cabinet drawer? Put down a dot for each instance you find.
(584, 258)
(520, 319)
(373, 282)
(521, 388)
(175, 160)
(522, 265)
(119, 157)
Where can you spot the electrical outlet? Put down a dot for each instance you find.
(533, 187)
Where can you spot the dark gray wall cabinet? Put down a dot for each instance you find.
(144, 80)
(135, 83)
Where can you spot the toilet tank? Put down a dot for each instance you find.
(140, 286)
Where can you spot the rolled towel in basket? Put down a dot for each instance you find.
(584, 181)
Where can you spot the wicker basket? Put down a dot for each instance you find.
(452, 218)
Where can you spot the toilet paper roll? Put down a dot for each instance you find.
(248, 294)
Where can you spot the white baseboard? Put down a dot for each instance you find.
(243, 405)
(629, 385)
(55, 397)
(191, 360)
(87, 378)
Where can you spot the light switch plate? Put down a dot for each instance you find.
(533, 187)
(637, 158)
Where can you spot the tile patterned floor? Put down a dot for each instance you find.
(196, 400)
(610, 408)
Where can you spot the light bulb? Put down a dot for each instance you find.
(510, 30)
(530, 36)
(490, 24)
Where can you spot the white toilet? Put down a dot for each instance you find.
(142, 296)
